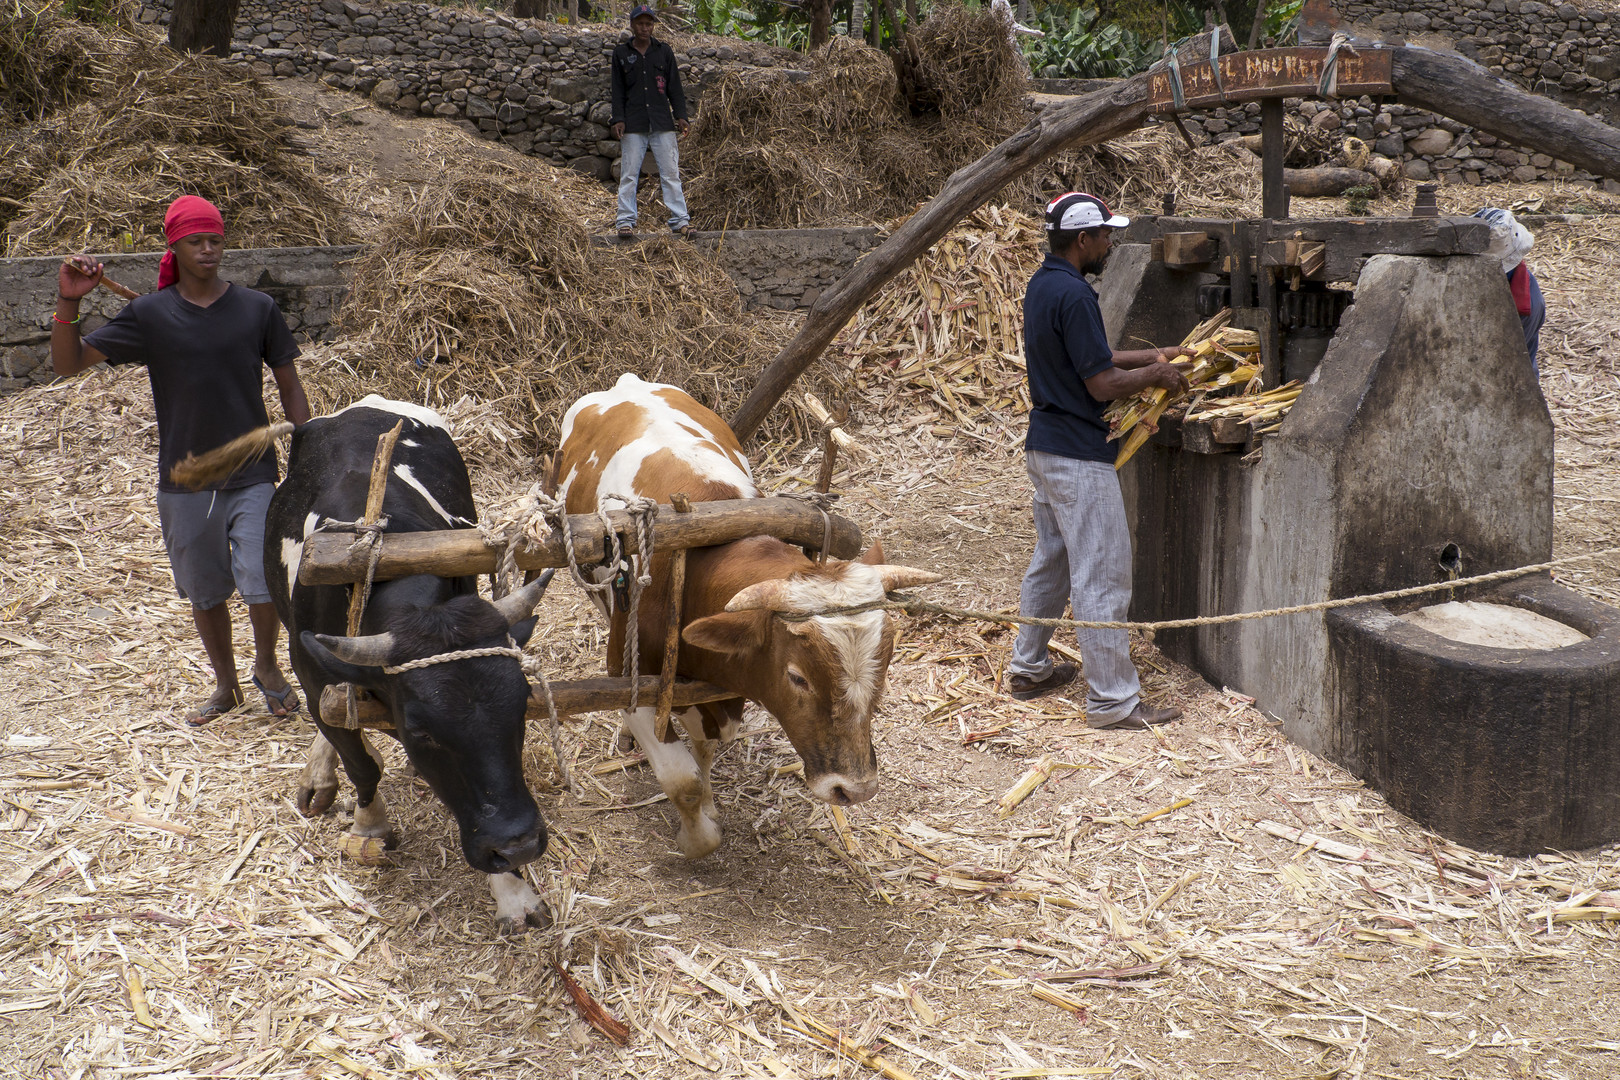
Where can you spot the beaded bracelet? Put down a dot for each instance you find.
(66, 322)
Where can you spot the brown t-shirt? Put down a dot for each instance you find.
(205, 366)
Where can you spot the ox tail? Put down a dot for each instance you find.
(196, 471)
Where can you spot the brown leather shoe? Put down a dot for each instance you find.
(1139, 719)
(1023, 687)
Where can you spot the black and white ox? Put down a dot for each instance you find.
(461, 722)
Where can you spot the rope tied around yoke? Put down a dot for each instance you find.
(823, 501)
(528, 523)
(368, 534)
(914, 606)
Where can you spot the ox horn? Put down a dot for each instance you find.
(903, 577)
(769, 595)
(519, 604)
(372, 650)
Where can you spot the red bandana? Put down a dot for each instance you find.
(187, 216)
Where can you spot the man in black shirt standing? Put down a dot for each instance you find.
(649, 109)
(203, 343)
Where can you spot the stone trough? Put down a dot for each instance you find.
(1421, 449)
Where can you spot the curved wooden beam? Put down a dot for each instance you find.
(1456, 87)
(1094, 117)
(1443, 83)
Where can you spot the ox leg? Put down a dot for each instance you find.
(703, 751)
(317, 785)
(516, 905)
(682, 781)
(365, 768)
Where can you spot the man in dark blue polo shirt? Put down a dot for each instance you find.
(1082, 541)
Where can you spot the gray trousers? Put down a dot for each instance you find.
(1082, 556)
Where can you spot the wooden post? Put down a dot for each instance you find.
(1273, 145)
(374, 501)
(672, 628)
(357, 592)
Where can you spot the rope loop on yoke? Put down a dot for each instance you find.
(822, 501)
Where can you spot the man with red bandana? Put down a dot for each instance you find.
(203, 342)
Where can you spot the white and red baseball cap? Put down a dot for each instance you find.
(1077, 210)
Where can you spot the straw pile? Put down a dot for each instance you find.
(487, 285)
(147, 125)
(946, 335)
(864, 137)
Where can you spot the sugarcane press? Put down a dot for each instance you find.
(1419, 450)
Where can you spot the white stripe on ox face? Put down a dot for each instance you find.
(292, 552)
(404, 473)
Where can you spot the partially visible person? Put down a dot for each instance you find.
(204, 343)
(1511, 242)
(649, 112)
(1082, 539)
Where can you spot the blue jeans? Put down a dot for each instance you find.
(1082, 556)
(668, 156)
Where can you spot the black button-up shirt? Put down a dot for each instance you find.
(647, 93)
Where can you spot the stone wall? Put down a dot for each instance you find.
(781, 269)
(543, 87)
(540, 87)
(307, 283)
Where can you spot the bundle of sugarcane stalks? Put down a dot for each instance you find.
(1266, 407)
(1223, 357)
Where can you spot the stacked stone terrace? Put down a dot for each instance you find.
(543, 87)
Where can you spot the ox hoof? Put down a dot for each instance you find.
(536, 919)
(368, 850)
(315, 801)
(700, 841)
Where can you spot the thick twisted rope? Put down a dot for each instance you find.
(913, 606)
(822, 501)
(643, 512)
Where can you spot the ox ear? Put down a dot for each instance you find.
(334, 667)
(902, 577)
(874, 554)
(731, 632)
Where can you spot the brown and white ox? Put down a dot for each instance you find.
(821, 677)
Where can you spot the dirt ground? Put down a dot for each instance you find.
(1151, 910)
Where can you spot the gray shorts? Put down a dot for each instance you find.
(215, 541)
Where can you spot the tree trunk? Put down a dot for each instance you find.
(1326, 180)
(857, 19)
(896, 34)
(1092, 118)
(1442, 83)
(203, 26)
(529, 9)
(820, 23)
(1459, 88)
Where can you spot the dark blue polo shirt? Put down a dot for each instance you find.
(1065, 344)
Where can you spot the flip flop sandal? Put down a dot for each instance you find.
(208, 712)
(272, 700)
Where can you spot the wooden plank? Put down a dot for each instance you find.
(1198, 437)
(1347, 242)
(1271, 73)
(328, 559)
(1188, 249)
(1229, 431)
(573, 696)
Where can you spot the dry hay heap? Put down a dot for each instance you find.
(488, 285)
(851, 140)
(945, 337)
(103, 127)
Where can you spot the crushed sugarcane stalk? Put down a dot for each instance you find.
(329, 560)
